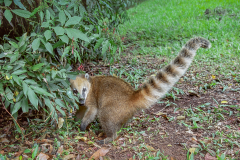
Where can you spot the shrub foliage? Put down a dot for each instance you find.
(40, 42)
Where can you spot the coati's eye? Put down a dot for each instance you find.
(75, 91)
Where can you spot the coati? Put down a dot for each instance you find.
(114, 101)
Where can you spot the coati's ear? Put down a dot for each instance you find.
(87, 76)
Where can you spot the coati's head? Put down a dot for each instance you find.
(81, 87)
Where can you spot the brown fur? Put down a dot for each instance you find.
(114, 101)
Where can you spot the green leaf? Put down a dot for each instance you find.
(3, 55)
(17, 79)
(30, 81)
(36, 44)
(60, 103)
(7, 2)
(62, 17)
(48, 34)
(18, 72)
(17, 106)
(23, 48)
(25, 89)
(73, 20)
(14, 57)
(13, 44)
(33, 98)
(60, 110)
(35, 10)
(34, 154)
(72, 75)
(25, 106)
(22, 13)
(19, 96)
(8, 67)
(49, 104)
(1, 88)
(41, 91)
(54, 73)
(98, 44)
(47, 15)
(105, 47)
(8, 93)
(58, 30)
(49, 47)
(8, 15)
(58, 44)
(19, 4)
(41, 14)
(66, 51)
(37, 66)
(45, 24)
(64, 38)
(22, 40)
(74, 33)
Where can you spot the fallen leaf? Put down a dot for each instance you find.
(4, 140)
(192, 150)
(42, 156)
(180, 117)
(165, 117)
(193, 93)
(224, 102)
(66, 157)
(209, 157)
(2, 152)
(44, 141)
(150, 148)
(50, 147)
(78, 157)
(60, 150)
(60, 122)
(195, 146)
(160, 113)
(189, 131)
(84, 139)
(169, 145)
(207, 141)
(213, 77)
(100, 153)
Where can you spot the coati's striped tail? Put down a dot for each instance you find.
(158, 86)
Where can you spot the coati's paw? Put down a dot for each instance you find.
(83, 127)
(105, 141)
(100, 142)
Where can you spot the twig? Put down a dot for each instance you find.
(12, 117)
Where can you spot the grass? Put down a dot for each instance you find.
(160, 28)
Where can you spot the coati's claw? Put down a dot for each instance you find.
(83, 127)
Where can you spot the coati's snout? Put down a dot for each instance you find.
(80, 87)
(82, 96)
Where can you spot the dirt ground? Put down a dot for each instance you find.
(144, 136)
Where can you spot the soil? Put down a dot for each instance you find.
(167, 135)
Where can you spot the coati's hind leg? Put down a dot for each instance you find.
(110, 124)
(89, 117)
(110, 128)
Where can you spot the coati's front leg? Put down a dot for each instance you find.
(89, 117)
(80, 113)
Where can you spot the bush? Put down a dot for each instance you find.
(34, 67)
